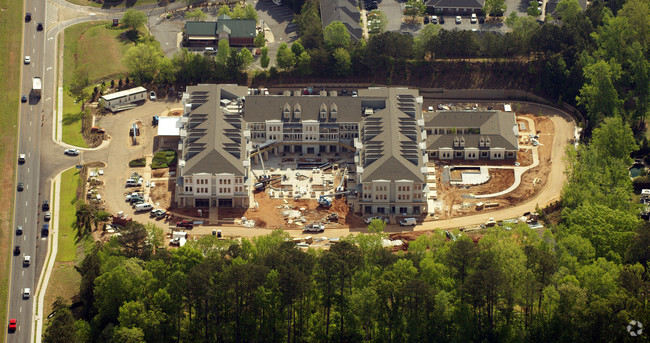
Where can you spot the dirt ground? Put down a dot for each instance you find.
(456, 199)
(268, 213)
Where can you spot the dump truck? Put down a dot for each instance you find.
(37, 86)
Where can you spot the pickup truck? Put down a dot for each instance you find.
(315, 227)
(185, 223)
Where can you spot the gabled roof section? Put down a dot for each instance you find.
(200, 28)
(237, 28)
(496, 127)
(391, 137)
(214, 142)
(260, 108)
(345, 11)
(475, 4)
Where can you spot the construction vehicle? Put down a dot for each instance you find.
(263, 181)
(326, 199)
(333, 217)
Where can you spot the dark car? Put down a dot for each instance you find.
(426, 19)
(371, 5)
(46, 205)
(23, 98)
(185, 223)
(19, 230)
(344, 92)
(442, 19)
(21, 186)
(28, 17)
(39, 27)
(17, 250)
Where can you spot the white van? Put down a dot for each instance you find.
(407, 222)
(131, 182)
(143, 207)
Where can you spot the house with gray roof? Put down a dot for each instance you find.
(213, 164)
(455, 7)
(345, 11)
(469, 135)
(238, 32)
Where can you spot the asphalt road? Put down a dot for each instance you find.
(27, 205)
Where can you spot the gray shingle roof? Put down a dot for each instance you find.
(345, 11)
(237, 28)
(259, 108)
(214, 143)
(497, 125)
(390, 137)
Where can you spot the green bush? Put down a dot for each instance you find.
(102, 215)
(163, 159)
(138, 162)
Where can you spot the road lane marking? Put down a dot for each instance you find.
(25, 203)
(21, 309)
(23, 273)
(30, 138)
(50, 68)
(25, 220)
(27, 187)
(27, 170)
(30, 123)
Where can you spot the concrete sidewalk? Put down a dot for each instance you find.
(44, 279)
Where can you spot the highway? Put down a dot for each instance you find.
(28, 202)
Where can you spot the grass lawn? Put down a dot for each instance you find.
(122, 3)
(64, 282)
(68, 207)
(72, 122)
(10, 67)
(93, 47)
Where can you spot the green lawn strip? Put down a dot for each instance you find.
(11, 22)
(71, 132)
(67, 233)
(120, 5)
(163, 159)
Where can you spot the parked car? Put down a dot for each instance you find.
(152, 96)
(46, 205)
(458, 19)
(370, 219)
(315, 227)
(408, 222)
(185, 223)
(473, 18)
(425, 20)
(71, 152)
(12, 325)
(48, 216)
(441, 19)
(39, 27)
(434, 19)
(21, 186)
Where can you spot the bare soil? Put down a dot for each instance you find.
(457, 200)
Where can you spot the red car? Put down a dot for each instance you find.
(12, 325)
(185, 223)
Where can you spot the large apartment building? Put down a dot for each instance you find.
(469, 135)
(385, 129)
(213, 166)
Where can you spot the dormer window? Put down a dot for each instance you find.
(286, 111)
(456, 142)
(333, 111)
(323, 111)
(296, 111)
(462, 142)
(481, 142)
(487, 142)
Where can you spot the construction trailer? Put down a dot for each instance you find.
(123, 100)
